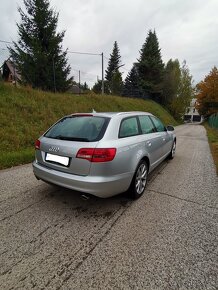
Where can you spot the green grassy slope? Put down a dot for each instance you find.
(212, 134)
(26, 113)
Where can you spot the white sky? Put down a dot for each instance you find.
(186, 29)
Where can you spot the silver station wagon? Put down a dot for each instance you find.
(103, 154)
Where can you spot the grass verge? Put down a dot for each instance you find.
(25, 114)
(212, 135)
(23, 156)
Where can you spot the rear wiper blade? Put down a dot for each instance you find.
(60, 137)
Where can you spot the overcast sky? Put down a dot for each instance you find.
(186, 29)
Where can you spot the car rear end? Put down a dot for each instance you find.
(74, 154)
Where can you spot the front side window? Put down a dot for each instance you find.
(158, 124)
(146, 125)
(129, 127)
(79, 128)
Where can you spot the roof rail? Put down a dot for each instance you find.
(130, 112)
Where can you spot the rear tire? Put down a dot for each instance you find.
(139, 180)
(173, 150)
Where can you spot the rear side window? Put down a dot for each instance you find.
(79, 128)
(129, 127)
(146, 125)
(158, 124)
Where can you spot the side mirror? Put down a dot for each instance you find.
(170, 128)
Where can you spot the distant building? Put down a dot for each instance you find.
(74, 89)
(10, 72)
(192, 114)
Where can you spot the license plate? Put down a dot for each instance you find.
(57, 159)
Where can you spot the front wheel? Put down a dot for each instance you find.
(139, 180)
(173, 150)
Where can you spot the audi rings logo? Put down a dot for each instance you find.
(53, 149)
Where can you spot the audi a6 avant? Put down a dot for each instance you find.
(103, 153)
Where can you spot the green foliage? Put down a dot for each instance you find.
(212, 134)
(38, 52)
(171, 81)
(131, 85)
(26, 113)
(185, 93)
(113, 76)
(85, 87)
(150, 67)
(97, 88)
(23, 156)
(116, 84)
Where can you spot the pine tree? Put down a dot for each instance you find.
(85, 87)
(97, 88)
(150, 67)
(113, 76)
(131, 84)
(116, 84)
(38, 53)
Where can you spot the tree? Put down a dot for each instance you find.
(131, 85)
(116, 84)
(207, 94)
(171, 81)
(150, 67)
(113, 76)
(38, 53)
(97, 88)
(84, 87)
(185, 93)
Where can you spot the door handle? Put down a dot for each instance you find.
(148, 143)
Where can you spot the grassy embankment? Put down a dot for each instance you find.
(212, 135)
(26, 113)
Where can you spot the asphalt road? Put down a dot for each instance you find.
(51, 238)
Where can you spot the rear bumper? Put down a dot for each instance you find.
(95, 185)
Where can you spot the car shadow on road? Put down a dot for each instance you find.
(89, 204)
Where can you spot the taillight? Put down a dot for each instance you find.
(37, 144)
(97, 154)
(103, 154)
(85, 153)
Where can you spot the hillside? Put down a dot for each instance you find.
(26, 113)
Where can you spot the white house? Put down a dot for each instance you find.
(192, 114)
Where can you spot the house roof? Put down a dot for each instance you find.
(13, 70)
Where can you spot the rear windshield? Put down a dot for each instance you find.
(79, 128)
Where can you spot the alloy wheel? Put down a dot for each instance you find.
(141, 178)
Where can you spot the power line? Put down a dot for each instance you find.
(125, 68)
(87, 53)
(78, 52)
(122, 66)
(84, 72)
(102, 64)
(4, 41)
